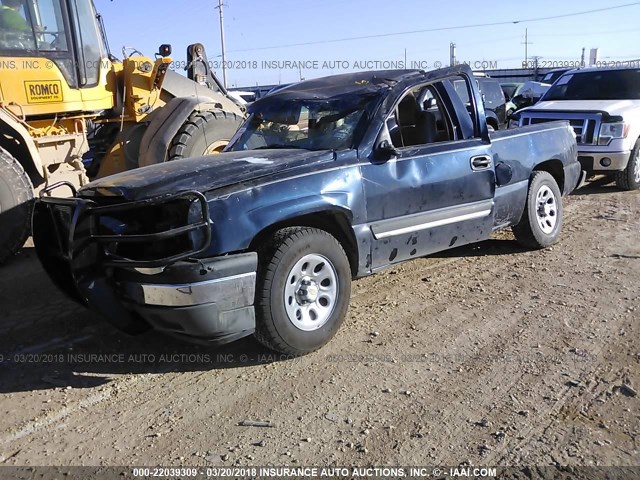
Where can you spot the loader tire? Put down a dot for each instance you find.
(204, 133)
(16, 204)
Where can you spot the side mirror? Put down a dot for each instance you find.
(386, 149)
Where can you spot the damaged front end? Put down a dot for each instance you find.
(141, 264)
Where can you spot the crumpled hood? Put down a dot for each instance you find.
(612, 107)
(203, 173)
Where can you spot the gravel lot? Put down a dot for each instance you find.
(486, 354)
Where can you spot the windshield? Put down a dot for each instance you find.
(34, 25)
(598, 85)
(552, 76)
(311, 124)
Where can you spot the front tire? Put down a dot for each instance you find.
(16, 203)
(629, 178)
(303, 290)
(541, 221)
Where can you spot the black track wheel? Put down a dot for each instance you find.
(204, 133)
(303, 290)
(541, 221)
(16, 203)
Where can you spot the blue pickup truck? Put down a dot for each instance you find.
(327, 180)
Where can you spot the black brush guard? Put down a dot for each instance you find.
(69, 243)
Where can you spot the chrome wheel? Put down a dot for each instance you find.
(546, 209)
(311, 292)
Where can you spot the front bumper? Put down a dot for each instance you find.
(590, 161)
(173, 290)
(209, 300)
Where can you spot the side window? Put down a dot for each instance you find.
(466, 122)
(493, 96)
(420, 118)
(90, 49)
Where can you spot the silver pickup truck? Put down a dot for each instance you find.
(603, 107)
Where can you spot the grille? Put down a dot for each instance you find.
(586, 126)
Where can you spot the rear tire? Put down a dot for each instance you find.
(629, 178)
(303, 290)
(16, 204)
(204, 133)
(541, 221)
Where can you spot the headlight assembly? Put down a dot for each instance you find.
(609, 131)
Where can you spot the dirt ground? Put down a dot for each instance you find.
(484, 355)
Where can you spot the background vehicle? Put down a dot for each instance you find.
(603, 106)
(528, 94)
(66, 101)
(243, 96)
(327, 179)
(510, 91)
(495, 104)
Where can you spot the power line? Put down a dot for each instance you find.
(439, 29)
(583, 33)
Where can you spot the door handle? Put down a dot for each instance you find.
(481, 162)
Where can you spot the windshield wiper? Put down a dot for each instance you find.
(275, 146)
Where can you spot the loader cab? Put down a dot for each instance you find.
(65, 32)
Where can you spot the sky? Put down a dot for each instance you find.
(253, 27)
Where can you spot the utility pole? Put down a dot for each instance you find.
(452, 54)
(224, 63)
(526, 47)
(582, 57)
(535, 65)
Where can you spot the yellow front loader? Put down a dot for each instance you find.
(71, 111)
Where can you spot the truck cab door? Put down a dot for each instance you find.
(431, 182)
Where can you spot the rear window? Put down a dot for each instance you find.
(598, 85)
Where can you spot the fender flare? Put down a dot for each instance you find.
(21, 134)
(165, 124)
